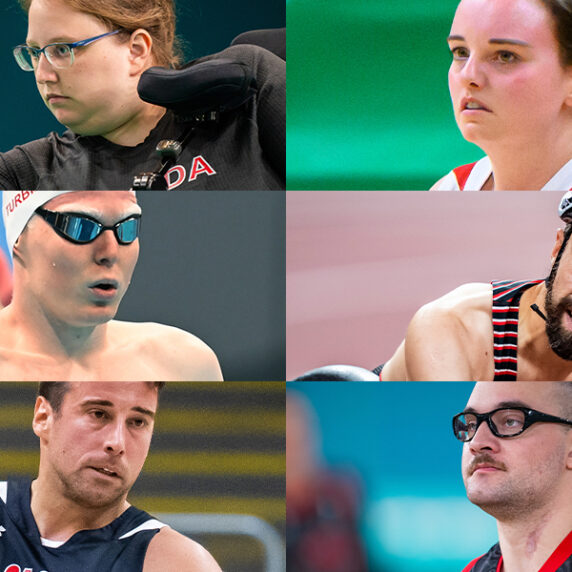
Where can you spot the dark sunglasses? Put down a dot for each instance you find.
(83, 229)
(503, 422)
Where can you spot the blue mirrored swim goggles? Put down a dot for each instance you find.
(59, 54)
(82, 229)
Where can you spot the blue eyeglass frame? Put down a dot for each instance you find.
(60, 222)
(37, 52)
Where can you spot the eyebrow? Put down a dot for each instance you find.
(501, 405)
(106, 403)
(509, 41)
(58, 40)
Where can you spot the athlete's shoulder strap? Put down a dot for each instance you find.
(151, 524)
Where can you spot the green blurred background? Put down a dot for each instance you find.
(368, 102)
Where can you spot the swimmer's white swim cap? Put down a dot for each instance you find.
(18, 207)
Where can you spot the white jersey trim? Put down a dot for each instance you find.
(149, 525)
(4, 490)
(482, 170)
(479, 175)
(562, 181)
(51, 543)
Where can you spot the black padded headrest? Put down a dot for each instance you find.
(214, 85)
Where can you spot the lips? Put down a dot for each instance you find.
(51, 96)
(471, 104)
(106, 285)
(485, 467)
(104, 291)
(106, 471)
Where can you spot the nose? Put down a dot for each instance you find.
(106, 249)
(483, 440)
(472, 73)
(45, 72)
(115, 438)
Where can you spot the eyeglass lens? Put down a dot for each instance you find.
(507, 422)
(59, 55)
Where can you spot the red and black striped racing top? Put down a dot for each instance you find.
(506, 301)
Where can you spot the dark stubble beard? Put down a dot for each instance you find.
(76, 489)
(559, 338)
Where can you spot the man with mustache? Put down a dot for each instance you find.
(74, 256)
(517, 467)
(94, 439)
(504, 331)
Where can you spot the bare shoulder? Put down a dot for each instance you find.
(461, 303)
(186, 357)
(448, 339)
(170, 550)
(463, 313)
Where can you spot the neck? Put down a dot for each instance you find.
(35, 331)
(58, 518)
(137, 127)
(527, 543)
(518, 165)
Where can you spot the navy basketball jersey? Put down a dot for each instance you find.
(118, 547)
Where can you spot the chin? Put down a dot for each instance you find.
(94, 317)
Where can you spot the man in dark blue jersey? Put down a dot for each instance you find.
(517, 466)
(94, 439)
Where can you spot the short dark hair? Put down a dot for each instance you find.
(55, 391)
(561, 12)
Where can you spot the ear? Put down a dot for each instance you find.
(568, 98)
(569, 456)
(43, 418)
(140, 44)
(17, 251)
(557, 245)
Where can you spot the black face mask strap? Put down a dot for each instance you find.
(535, 308)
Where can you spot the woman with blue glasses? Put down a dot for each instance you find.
(87, 59)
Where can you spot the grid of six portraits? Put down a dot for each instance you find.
(317, 256)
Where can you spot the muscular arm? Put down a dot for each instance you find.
(170, 550)
(449, 339)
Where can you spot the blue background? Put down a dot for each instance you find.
(398, 437)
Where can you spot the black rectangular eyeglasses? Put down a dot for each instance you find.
(503, 422)
(82, 229)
